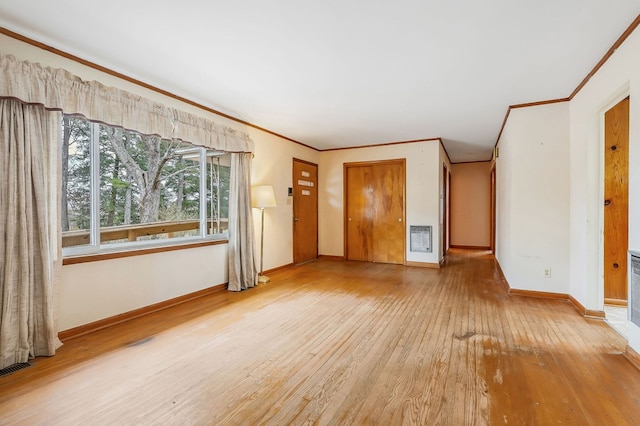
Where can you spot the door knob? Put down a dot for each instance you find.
(607, 202)
(296, 219)
(399, 219)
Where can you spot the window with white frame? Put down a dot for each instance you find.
(122, 189)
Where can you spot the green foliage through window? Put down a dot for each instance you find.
(147, 188)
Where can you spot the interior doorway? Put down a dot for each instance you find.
(616, 203)
(448, 200)
(445, 210)
(305, 211)
(492, 219)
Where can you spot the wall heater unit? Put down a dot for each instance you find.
(634, 288)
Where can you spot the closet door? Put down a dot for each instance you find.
(374, 214)
(388, 215)
(359, 220)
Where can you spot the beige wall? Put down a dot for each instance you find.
(422, 189)
(92, 291)
(471, 204)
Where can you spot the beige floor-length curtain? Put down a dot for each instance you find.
(243, 273)
(29, 246)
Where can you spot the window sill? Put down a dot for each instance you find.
(96, 257)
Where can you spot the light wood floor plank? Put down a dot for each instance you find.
(335, 343)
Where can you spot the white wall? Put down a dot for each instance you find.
(532, 198)
(423, 171)
(619, 77)
(471, 204)
(96, 290)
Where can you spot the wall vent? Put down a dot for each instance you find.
(634, 289)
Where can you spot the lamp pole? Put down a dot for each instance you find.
(261, 278)
(262, 197)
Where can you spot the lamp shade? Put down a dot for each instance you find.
(262, 197)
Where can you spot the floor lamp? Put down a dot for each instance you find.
(262, 197)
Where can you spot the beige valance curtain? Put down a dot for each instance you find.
(58, 89)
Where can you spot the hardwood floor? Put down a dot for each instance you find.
(334, 342)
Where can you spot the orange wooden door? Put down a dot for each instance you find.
(305, 211)
(493, 210)
(388, 214)
(616, 202)
(374, 222)
(448, 204)
(359, 213)
(445, 212)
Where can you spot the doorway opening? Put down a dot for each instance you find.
(616, 216)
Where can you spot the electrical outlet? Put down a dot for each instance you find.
(547, 273)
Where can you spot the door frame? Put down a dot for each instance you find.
(293, 224)
(492, 216)
(448, 200)
(345, 218)
(619, 97)
(445, 212)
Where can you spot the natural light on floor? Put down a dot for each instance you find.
(616, 316)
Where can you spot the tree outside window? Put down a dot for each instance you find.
(128, 187)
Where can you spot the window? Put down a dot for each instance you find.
(122, 189)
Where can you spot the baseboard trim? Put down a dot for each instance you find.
(595, 314)
(456, 246)
(278, 268)
(548, 295)
(577, 306)
(584, 311)
(538, 294)
(615, 302)
(429, 265)
(503, 279)
(328, 257)
(136, 313)
(632, 356)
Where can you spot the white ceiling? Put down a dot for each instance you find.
(336, 73)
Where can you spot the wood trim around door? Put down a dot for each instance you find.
(345, 167)
(616, 201)
(492, 216)
(448, 230)
(445, 212)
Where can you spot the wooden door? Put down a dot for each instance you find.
(359, 225)
(388, 213)
(448, 204)
(444, 210)
(493, 210)
(305, 211)
(374, 213)
(616, 202)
